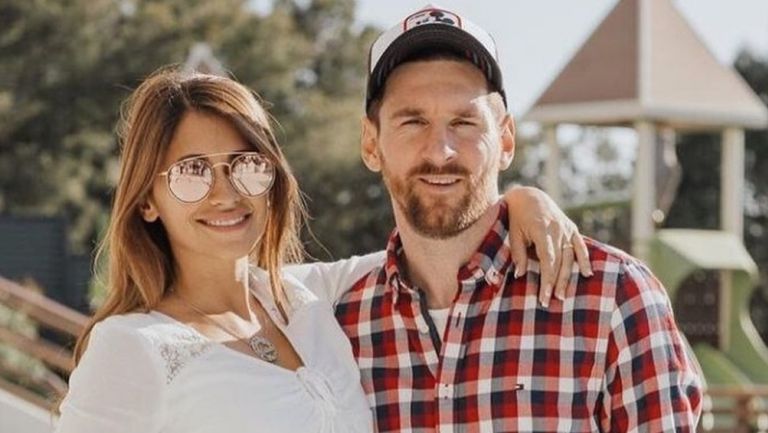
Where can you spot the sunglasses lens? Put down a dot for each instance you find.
(190, 180)
(252, 174)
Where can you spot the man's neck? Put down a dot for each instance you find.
(432, 265)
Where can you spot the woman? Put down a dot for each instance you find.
(183, 342)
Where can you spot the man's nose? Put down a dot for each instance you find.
(441, 145)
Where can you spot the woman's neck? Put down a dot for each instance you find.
(212, 285)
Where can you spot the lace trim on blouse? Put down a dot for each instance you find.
(177, 348)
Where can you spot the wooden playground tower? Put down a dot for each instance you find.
(644, 67)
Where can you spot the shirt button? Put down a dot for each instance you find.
(493, 277)
(445, 390)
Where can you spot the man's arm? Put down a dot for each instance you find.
(652, 383)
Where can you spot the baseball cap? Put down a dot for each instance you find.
(432, 28)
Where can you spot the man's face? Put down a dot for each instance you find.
(440, 144)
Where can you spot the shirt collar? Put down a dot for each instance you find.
(491, 261)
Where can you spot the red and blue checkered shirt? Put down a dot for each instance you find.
(609, 358)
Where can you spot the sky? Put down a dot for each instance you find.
(536, 38)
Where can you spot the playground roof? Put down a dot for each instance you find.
(645, 62)
(709, 249)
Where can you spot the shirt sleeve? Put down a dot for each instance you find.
(652, 381)
(331, 280)
(117, 386)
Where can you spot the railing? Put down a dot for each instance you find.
(49, 314)
(729, 409)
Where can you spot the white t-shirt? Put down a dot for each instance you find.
(145, 373)
(440, 319)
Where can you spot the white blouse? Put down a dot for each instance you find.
(150, 373)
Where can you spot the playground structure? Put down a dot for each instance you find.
(644, 67)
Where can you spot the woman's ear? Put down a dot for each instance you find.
(369, 144)
(149, 211)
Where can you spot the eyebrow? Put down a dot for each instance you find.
(407, 112)
(415, 112)
(188, 156)
(469, 112)
(198, 155)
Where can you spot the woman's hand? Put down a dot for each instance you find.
(534, 218)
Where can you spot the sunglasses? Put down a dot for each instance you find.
(191, 179)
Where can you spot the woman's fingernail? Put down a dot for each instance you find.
(547, 296)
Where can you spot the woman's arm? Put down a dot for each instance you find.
(331, 280)
(534, 218)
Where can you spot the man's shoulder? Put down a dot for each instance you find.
(606, 258)
(628, 278)
(600, 252)
(373, 283)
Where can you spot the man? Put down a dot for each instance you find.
(445, 337)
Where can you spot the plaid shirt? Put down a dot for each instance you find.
(608, 359)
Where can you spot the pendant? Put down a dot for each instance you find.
(263, 348)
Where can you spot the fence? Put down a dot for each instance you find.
(40, 388)
(735, 410)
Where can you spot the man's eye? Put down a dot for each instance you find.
(414, 121)
(464, 122)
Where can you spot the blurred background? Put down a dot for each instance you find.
(65, 67)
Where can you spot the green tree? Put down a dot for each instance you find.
(66, 66)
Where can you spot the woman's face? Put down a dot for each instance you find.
(225, 224)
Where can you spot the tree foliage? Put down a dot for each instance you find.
(65, 67)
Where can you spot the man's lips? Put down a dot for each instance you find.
(439, 180)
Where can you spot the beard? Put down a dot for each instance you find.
(440, 217)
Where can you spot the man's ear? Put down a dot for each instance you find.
(149, 211)
(369, 141)
(507, 142)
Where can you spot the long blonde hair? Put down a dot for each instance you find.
(140, 262)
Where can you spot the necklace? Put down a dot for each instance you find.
(261, 346)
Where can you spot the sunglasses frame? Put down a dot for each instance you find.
(213, 166)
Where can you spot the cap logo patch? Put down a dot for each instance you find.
(431, 16)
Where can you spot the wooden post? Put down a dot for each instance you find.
(731, 215)
(732, 182)
(552, 164)
(644, 190)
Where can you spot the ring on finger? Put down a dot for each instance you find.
(567, 246)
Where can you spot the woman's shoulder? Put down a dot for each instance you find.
(150, 326)
(297, 292)
(128, 321)
(155, 336)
